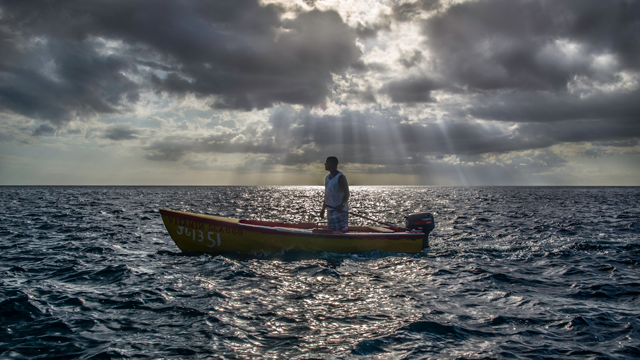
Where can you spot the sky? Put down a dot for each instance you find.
(248, 92)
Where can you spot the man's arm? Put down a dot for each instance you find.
(344, 186)
(324, 204)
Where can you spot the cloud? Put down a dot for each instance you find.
(413, 60)
(582, 131)
(489, 88)
(371, 30)
(573, 65)
(291, 137)
(119, 133)
(531, 45)
(170, 148)
(535, 167)
(69, 60)
(58, 82)
(595, 152)
(618, 143)
(619, 107)
(363, 96)
(43, 129)
(410, 10)
(202, 164)
(411, 90)
(177, 147)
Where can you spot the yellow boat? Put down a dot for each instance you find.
(215, 234)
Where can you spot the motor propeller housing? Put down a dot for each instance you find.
(422, 222)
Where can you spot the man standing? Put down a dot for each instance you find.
(336, 196)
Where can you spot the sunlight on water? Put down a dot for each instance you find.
(529, 272)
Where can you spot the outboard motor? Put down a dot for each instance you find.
(422, 222)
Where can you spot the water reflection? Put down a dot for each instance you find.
(319, 305)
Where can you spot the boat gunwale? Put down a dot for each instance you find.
(272, 230)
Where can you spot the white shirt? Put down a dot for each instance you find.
(333, 194)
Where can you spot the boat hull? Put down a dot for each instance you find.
(213, 234)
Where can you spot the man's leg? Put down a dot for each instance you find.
(342, 222)
(332, 223)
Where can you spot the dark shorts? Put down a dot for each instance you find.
(338, 221)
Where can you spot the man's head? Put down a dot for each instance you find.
(331, 163)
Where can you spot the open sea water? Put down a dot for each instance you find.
(512, 273)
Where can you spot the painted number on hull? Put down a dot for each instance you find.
(193, 234)
(213, 242)
(199, 235)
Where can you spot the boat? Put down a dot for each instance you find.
(200, 233)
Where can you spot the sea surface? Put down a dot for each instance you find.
(512, 273)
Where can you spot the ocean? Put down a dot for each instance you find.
(512, 273)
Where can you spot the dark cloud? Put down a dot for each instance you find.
(408, 11)
(57, 81)
(44, 129)
(618, 106)
(532, 45)
(411, 90)
(69, 59)
(119, 133)
(310, 3)
(618, 143)
(582, 131)
(263, 68)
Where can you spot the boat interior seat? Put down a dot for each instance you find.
(380, 229)
(369, 229)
